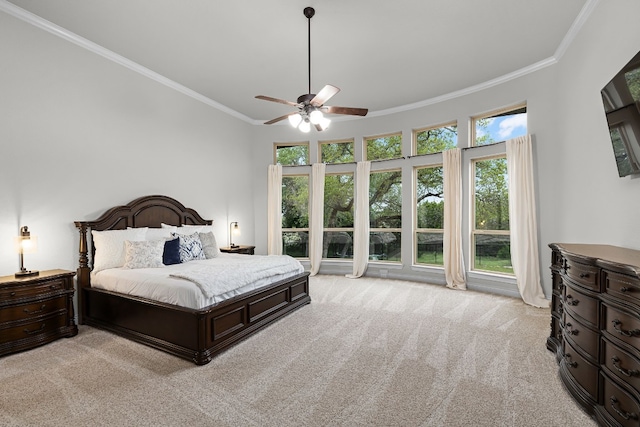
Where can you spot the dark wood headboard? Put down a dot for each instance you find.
(147, 211)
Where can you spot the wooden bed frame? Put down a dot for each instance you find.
(196, 335)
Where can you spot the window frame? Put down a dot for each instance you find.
(337, 141)
(277, 145)
(415, 132)
(296, 230)
(389, 229)
(416, 229)
(340, 229)
(365, 145)
(473, 231)
(493, 113)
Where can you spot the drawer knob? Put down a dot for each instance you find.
(53, 286)
(616, 326)
(584, 275)
(569, 328)
(571, 300)
(32, 312)
(625, 372)
(567, 358)
(12, 294)
(624, 289)
(626, 415)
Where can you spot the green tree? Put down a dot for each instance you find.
(338, 152)
(293, 155)
(436, 140)
(491, 194)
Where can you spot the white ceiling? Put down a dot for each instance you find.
(384, 55)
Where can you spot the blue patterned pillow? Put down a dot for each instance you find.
(190, 247)
(171, 254)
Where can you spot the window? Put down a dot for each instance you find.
(291, 154)
(500, 125)
(435, 139)
(490, 235)
(295, 216)
(338, 216)
(384, 147)
(429, 214)
(337, 151)
(385, 215)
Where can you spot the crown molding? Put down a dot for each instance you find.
(69, 36)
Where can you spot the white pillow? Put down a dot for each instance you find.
(109, 246)
(186, 230)
(209, 245)
(146, 254)
(158, 234)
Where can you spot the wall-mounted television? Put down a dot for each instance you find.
(621, 99)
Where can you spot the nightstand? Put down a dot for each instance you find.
(247, 250)
(36, 310)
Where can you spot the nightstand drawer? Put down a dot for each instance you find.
(32, 329)
(12, 293)
(33, 310)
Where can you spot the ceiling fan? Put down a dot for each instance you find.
(310, 106)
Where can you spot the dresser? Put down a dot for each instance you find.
(595, 328)
(36, 310)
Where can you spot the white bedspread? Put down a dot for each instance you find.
(160, 284)
(218, 279)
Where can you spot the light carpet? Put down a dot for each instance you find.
(365, 352)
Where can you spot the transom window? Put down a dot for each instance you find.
(383, 147)
(435, 139)
(291, 154)
(499, 125)
(337, 151)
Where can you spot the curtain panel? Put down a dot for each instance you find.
(316, 220)
(452, 245)
(523, 221)
(361, 222)
(274, 210)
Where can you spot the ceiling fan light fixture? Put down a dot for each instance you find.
(324, 123)
(304, 126)
(295, 119)
(316, 116)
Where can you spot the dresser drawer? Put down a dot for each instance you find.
(581, 305)
(581, 335)
(619, 403)
(583, 371)
(621, 364)
(11, 294)
(622, 286)
(584, 275)
(622, 325)
(32, 329)
(32, 310)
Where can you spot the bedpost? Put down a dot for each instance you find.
(83, 275)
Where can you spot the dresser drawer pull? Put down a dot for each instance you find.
(53, 286)
(40, 310)
(624, 289)
(625, 372)
(616, 326)
(567, 358)
(35, 331)
(584, 275)
(623, 414)
(569, 329)
(12, 294)
(571, 300)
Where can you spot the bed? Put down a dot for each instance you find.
(196, 334)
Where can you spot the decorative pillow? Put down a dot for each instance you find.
(146, 254)
(190, 229)
(209, 245)
(190, 247)
(171, 228)
(109, 246)
(171, 253)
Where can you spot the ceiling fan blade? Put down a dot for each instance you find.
(346, 110)
(277, 119)
(323, 96)
(280, 101)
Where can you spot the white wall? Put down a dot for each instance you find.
(580, 197)
(80, 134)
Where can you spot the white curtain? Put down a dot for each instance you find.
(523, 222)
(274, 210)
(452, 245)
(361, 222)
(316, 220)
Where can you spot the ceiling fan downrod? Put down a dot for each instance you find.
(309, 12)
